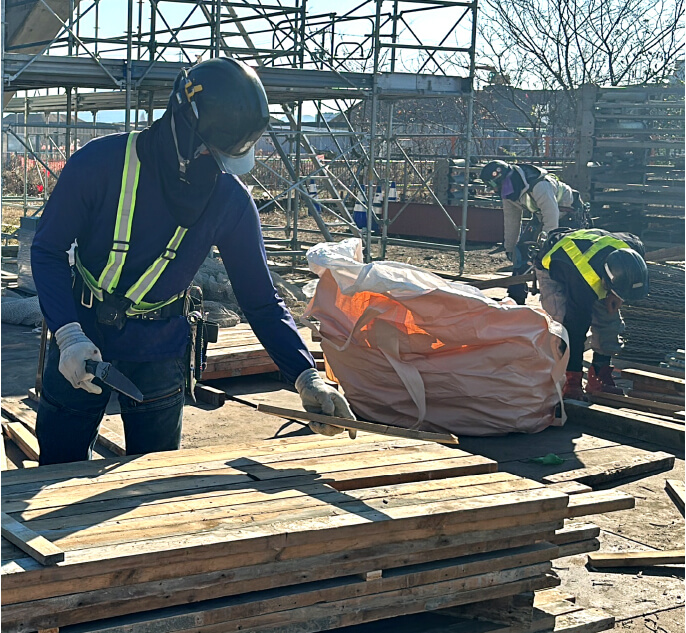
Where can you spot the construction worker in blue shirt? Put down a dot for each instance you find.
(585, 276)
(144, 209)
(528, 189)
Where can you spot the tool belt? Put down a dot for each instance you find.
(112, 310)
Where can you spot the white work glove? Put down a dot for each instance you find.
(318, 397)
(75, 349)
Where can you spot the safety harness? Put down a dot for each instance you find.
(582, 260)
(109, 278)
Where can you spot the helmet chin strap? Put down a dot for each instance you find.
(183, 163)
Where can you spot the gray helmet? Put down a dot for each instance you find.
(626, 274)
(494, 173)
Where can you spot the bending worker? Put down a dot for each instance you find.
(551, 202)
(144, 210)
(585, 276)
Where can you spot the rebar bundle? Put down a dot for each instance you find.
(655, 325)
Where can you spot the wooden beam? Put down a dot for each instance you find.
(663, 371)
(658, 397)
(358, 425)
(21, 436)
(639, 404)
(637, 426)
(675, 489)
(3, 456)
(599, 502)
(650, 381)
(636, 559)
(15, 410)
(210, 395)
(673, 253)
(620, 469)
(28, 541)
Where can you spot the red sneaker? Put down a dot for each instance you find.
(573, 389)
(602, 381)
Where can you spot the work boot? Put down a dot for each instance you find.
(573, 388)
(601, 381)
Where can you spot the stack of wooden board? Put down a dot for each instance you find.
(319, 533)
(238, 352)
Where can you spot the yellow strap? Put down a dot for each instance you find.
(109, 277)
(582, 261)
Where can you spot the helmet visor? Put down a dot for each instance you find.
(237, 165)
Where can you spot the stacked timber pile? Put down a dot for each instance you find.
(238, 352)
(317, 534)
(655, 325)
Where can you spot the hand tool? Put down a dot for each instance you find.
(112, 377)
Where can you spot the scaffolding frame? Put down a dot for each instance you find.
(368, 55)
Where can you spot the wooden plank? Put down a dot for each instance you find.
(20, 412)
(210, 395)
(656, 396)
(655, 416)
(674, 253)
(579, 547)
(654, 381)
(575, 531)
(319, 463)
(93, 532)
(599, 502)
(663, 371)
(20, 435)
(612, 420)
(584, 621)
(675, 489)
(359, 425)
(344, 557)
(570, 487)
(35, 545)
(3, 455)
(639, 404)
(509, 509)
(638, 465)
(636, 559)
(315, 603)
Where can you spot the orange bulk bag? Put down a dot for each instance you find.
(414, 350)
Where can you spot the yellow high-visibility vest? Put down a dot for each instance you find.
(582, 260)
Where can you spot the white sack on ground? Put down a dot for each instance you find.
(414, 350)
(21, 311)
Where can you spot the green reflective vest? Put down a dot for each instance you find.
(109, 277)
(582, 260)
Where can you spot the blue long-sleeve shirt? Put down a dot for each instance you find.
(83, 207)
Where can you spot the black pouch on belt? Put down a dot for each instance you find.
(202, 333)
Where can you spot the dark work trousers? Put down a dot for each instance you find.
(520, 265)
(68, 419)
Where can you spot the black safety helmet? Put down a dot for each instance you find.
(494, 173)
(223, 102)
(626, 274)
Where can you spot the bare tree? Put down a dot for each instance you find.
(562, 44)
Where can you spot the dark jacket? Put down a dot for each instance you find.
(83, 207)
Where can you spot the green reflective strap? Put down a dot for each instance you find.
(109, 278)
(136, 292)
(88, 279)
(142, 307)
